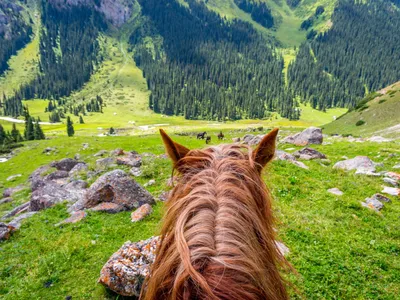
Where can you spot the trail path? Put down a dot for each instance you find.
(12, 120)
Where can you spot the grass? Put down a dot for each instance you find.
(379, 114)
(340, 250)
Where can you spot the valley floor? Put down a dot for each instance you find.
(340, 249)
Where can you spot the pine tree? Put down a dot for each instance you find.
(70, 127)
(112, 131)
(81, 120)
(38, 132)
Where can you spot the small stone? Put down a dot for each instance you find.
(101, 153)
(282, 248)
(135, 171)
(373, 203)
(5, 231)
(13, 177)
(381, 198)
(236, 140)
(390, 181)
(10, 191)
(391, 191)
(308, 154)
(335, 191)
(108, 207)
(6, 200)
(49, 149)
(142, 212)
(163, 196)
(16, 222)
(19, 209)
(393, 175)
(85, 146)
(396, 166)
(74, 218)
(77, 156)
(150, 183)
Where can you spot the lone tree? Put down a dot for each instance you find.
(29, 129)
(70, 127)
(81, 120)
(15, 134)
(38, 132)
(112, 131)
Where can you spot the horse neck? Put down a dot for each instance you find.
(218, 237)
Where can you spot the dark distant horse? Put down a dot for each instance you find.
(221, 135)
(208, 139)
(218, 238)
(201, 135)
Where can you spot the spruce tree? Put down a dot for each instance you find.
(81, 120)
(38, 132)
(70, 127)
(15, 134)
(29, 130)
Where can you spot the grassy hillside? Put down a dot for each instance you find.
(378, 114)
(340, 250)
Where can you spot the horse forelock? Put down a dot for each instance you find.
(217, 236)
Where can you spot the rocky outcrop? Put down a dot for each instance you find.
(116, 187)
(312, 135)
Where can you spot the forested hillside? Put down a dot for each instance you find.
(207, 67)
(356, 56)
(14, 31)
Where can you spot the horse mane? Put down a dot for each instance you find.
(217, 239)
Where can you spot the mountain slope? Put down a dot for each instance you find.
(378, 114)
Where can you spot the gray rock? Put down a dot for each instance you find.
(16, 222)
(236, 140)
(282, 155)
(6, 200)
(359, 163)
(13, 177)
(391, 181)
(141, 213)
(150, 183)
(373, 203)
(396, 166)
(5, 231)
(381, 198)
(130, 159)
(85, 146)
(308, 154)
(335, 191)
(391, 191)
(65, 164)
(49, 150)
(108, 207)
(135, 171)
(19, 209)
(36, 178)
(119, 188)
(312, 135)
(252, 140)
(10, 191)
(117, 152)
(163, 196)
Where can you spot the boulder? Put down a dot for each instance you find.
(312, 135)
(5, 231)
(308, 154)
(335, 191)
(359, 163)
(282, 155)
(74, 218)
(36, 178)
(141, 213)
(16, 222)
(10, 191)
(119, 188)
(252, 140)
(57, 175)
(126, 270)
(65, 164)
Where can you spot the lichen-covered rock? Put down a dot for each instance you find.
(130, 159)
(57, 175)
(108, 207)
(308, 154)
(126, 270)
(282, 155)
(119, 188)
(312, 135)
(105, 163)
(141, 213)
(373, 203)
(79, 168)
(16, 222)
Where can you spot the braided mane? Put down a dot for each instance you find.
(217, 237)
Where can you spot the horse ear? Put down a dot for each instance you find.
(265, 150)
(175, 151)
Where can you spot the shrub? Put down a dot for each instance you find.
(360, 122)
(382, 101)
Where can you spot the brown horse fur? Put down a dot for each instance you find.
(217, 237)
